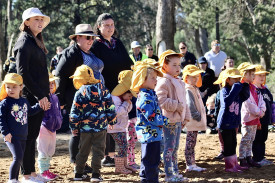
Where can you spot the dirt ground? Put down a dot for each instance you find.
(207, 148)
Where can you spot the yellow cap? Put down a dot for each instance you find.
(10, 78)
(227, 73)
(245, 66)
(140, 72)
(83, 75)
(219, 80)
(124, 83)
(165, 54)
(52, 77)
(192, 70)
(260, 70)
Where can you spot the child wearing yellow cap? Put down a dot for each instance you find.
(232, 95)
(91, 112)
(46, 140)
(149, 118)
(14, 111)
(170, 90)
(258, 147)
(192, 77)
(252, 110)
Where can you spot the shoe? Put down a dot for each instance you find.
(80, 176)
(120, 166)
(127, 166)
(265, 162)
(136, 166)
(32, 180)
(48, 175)
(195, 168)
(108, 162)
(244, 163)
(161, 172)
(88, 169)
(219, 157)
(252, 163)
(12, 181)
(175, 178)
(230, 164)
(96, 178)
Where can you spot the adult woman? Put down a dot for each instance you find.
(30, 55)
(188, 58)
(75, 55)
(115, 57)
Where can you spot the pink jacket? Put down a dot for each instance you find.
(122, 110)
(250, 110)
(170, 92)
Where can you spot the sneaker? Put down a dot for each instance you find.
(108, 162)
(12, 181)
(265, 162)
(135, 166)
(88, 169)
(80, 176)
(219, 157)
(175, 178)
(195, 168)
(48, 175)
(96, 178)
(32, 180)
(161, 172)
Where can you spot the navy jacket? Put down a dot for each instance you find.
(268, 98)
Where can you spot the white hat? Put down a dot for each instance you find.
(135, 44)
(33, 12)
(83, 30)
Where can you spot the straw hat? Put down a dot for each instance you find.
(227, 73)
(10, 78)
(83, 30)
(33, 12)
(260, 70)
(83, 75)
(166, 54)
(245, 66)
(192, 70)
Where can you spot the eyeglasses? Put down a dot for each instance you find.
(150, 49)
(182, 48)
(90, 37)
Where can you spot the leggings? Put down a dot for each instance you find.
(191, 140)
(132, 139)
(121, 140)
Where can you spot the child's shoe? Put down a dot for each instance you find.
(129, 167)
(252, 163)
(219, 157)
(120, 167)
(12, 181)
(135, 166)
(265, 162)
(195, 168)
(108, 162)
(80, 176)
(96, 178)
(175, 178)
(88, 169)
(48, 175)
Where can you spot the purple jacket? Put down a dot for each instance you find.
(52, 118)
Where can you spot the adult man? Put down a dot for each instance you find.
(137, 55)
(215, 57)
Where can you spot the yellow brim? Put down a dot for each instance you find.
(120, 89)
(53, 79)
(262, 72)
(195, 73)
(235, 76)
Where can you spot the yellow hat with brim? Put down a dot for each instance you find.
(124, 83)
(140, 72)
(10, 78)
(166, 54)
(260, 70)
(227, 73)
(83, 75)
(52, 77)
(219, 80)
(192, 70)
(245, 66)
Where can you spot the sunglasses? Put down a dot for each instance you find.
(182, 48)
(150, 49)
(90, 37)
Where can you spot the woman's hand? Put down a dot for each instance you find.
(45, 104)
(8, 138)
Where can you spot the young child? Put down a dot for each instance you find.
(122, 96)
(232, 95)
(258, 147)
(149, 118)
(14, 111)
(210, 114)
(252, 110)
(91, 112)
(46, 140)
(191, 76)
(172, 99)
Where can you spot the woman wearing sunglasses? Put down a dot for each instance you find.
(188, 58)
(75, 55)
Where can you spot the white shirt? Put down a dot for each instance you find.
(215, 61)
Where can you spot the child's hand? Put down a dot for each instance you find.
(179, 107)
(129, 101)
(8, 138)
(75, 132)
(110, 127)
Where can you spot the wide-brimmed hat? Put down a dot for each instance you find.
(10, 78)
(165, 54)
(245, 66)
(192, 70)
(135, 44)
(83, 75)
(227, 73)
(259, 69)
(83, 30)
(124, 83)
(33, 12)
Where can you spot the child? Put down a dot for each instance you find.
(14, 111)
(46, 140)
(191, 76)
(210, 114)
(172, 99)
(122, 96)
(149, 118)
(258, 147)
(232, 94)
(91, 112)
(252, 110)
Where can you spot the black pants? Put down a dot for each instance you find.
(230, 141)
(110, 144)
(258, 147)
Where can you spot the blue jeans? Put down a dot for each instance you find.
(171, 145)
(150, 158)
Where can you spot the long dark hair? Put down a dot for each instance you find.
(100, 19)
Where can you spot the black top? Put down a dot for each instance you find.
(268, 98)
(115, 60)
(208, 78)
(31, 64)
(156, 58)
(189, 58)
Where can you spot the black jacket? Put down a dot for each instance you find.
(268, 98)
(69, 60)
(31, 63)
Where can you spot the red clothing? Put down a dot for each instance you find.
(253, 91)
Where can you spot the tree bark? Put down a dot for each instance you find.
(197, 43)
(203, 40)
(217, 24)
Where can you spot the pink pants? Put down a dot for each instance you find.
(132, 139)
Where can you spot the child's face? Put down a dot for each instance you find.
(173, 67)
(13, 90)
(259, 79)
(127, 96)
(249, 76)
(231, 81)
(52, 87)
(192, 80)
(151, 81)
(210, 105)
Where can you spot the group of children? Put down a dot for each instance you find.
(165, 104)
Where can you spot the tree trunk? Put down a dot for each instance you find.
(203, 40)
(217, 24)
(165, 25)
(2, 47)
(197, 43)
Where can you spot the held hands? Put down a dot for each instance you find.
(8, 138)
(179, 107)
(45, 104)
